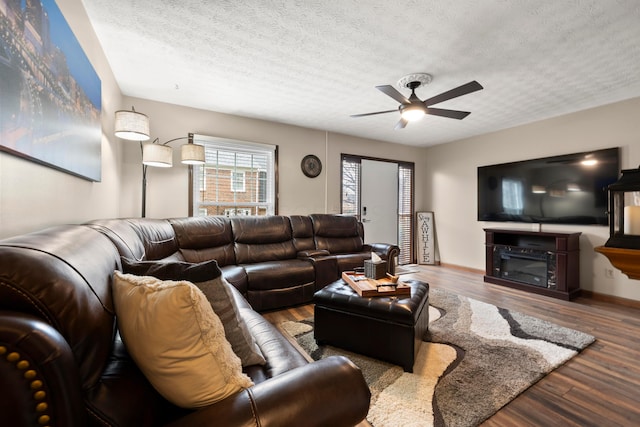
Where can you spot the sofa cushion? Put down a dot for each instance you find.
(237, 276)
(204, 238)
(262, 238)
(123, 236)
(157, 236)
(208, 278)
(302, 230)
(328, 225)
(173, 334)
(279, 274)
(337, 234)
(348, 262)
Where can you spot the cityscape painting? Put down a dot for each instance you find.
(50, 95)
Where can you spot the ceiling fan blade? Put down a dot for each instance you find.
(390, 91)
(452, 114)
(371, 114)
(454, 93)
(401, 124)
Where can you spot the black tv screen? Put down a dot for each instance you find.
(567, 189)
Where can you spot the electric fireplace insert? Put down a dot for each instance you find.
(530, 266)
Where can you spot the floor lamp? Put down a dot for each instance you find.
(134, 126)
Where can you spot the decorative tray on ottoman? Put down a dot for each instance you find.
(366, 287)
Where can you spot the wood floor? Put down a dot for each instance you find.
(599, 387)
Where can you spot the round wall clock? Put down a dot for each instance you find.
(311, 166)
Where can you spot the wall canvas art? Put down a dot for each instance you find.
(50, 95)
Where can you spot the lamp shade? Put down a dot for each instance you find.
(192, 154)
(132, 125)
(157, 155)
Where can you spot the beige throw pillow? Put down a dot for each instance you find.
(208, 277)
(173, 334)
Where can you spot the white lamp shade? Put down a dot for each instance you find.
(157, 155)
(192, 154)
(132, 125)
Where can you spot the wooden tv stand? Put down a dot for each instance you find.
(540, 262)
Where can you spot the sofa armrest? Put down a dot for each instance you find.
(39, 377)
(313, 253)
(388, 253)
(329, 392)
(326, 270)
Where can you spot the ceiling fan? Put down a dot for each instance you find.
(413, 108)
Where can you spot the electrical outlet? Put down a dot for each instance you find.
(608, 273)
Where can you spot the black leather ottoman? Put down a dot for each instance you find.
(385, 328)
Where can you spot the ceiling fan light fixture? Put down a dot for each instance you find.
(412, 113)
(413, 108)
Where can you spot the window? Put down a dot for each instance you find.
(237, 181)
(263, 182)
(350, 201)
(351, 186)
(405, 213)
(238, 178)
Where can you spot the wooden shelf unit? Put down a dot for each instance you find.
(562, 248)
(625, 260)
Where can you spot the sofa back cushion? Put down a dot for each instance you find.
(123, 236)
(157, 236)
(337, 233)
(62, 275)
(302, 229)
(204, 238)
(262, 238)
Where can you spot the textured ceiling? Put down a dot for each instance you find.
(313, 63)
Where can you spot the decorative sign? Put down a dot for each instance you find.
(51, 95)
(425, 238)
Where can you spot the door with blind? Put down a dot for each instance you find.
(354, 185)
(379, 201)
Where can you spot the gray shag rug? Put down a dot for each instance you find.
(476, 358)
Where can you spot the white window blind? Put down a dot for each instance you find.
(351, 186)
(405, 214)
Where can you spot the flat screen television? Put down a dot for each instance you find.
(566, 189)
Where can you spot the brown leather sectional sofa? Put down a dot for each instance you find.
(62, 362)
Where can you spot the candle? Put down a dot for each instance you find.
(632, 220)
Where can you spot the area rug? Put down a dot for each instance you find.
(476, 358)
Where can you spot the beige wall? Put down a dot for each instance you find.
(450, 189)
(33, 196)
(167, 189)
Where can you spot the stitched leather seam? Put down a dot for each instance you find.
(98, 417)
(254, 409)
(106, 230)
(93, 291)
(30, 299)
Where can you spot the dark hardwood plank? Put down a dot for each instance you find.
(600, 386)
